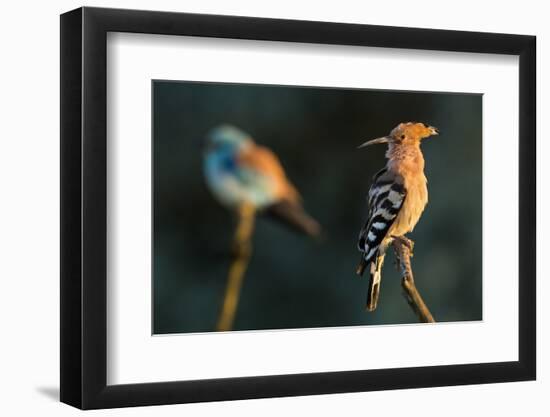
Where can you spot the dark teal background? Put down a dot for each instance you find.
(293, 282)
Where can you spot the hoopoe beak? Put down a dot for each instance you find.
(384, 139)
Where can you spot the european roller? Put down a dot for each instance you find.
(238, 171)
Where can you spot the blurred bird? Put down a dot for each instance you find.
(396, 199)
(238, 171)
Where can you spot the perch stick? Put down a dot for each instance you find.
(403, 251)
(242, 248)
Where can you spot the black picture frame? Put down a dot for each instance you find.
(84, 197)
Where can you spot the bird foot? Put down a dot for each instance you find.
(406, 242)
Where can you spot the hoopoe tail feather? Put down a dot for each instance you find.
(375, 277)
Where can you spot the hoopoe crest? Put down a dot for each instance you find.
(396, 199)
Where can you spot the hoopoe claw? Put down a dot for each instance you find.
(405, 241)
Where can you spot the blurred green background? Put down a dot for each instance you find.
(292, 281)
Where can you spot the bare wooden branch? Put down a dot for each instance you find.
(403, 248)
(242, 249)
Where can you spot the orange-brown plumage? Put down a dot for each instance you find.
(264, 160)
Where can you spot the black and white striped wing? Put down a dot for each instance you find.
(386, 197)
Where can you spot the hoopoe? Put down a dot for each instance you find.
(396, 199)
(238, 171)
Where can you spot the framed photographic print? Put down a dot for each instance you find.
(242, 198)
